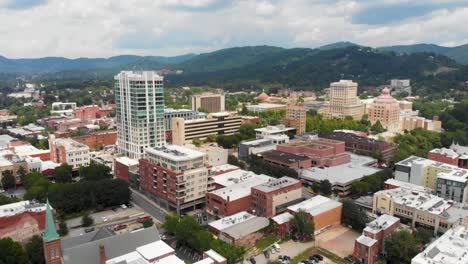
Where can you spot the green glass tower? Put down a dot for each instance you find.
(139, 98)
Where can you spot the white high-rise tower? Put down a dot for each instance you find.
(139, 98)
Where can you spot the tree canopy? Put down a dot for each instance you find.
(11, 252)
(302, 226)
(8, 180)
(352, 216)
(401, 246)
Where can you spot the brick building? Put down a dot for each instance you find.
(285, 159)
(274, 197)
(321, 151)
(455, 155)
(241, 229)
(123, 166)
(363, 145)
(369, 245)
(176, 177)
(322, 211)
(87, 112)
(69, 151)
(22, 220)
(235, 197)
(97, 140)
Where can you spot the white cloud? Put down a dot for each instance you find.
(168, 27)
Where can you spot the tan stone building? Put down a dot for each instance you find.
(296, 117)
(210, 102)
(343, 101)
(385, 109)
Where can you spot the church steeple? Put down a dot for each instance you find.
(50, 233)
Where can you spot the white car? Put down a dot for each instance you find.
(277, 247)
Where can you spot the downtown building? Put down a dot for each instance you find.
(209, 102)
(139, 98)
(176, 177)
(343, 101)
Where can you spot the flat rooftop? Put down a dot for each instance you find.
(127, 161)
(175, 152)
(229, 221)
(222, 169)
(237, 176)
(21, 207)
(241, 189)
(450, 248)
(276, 184)
(407, 185)
(274, 129)
(315, 205)
(381, 223)
(283, 157)
(342, 174)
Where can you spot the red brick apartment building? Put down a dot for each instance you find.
(99, 139)
(369, 245)
(322, 151)
(285, 159)
(449, 156)
(273, 197)
(123, 166)
(176, 177)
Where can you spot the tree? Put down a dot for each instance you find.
(352, 216)
(424, 235)
(185, 229)
(377, 128)
(63, 228)
(302, 226)
(325, 187)
(8, 180)
(35, 251)
(233, 160)
(7, 200)
(87, 220)
(95, 172)
(196, 142)
(171, 223)
(11, 252)
(63, 173)
(148, 223)
(401, 246)
(21, 172)
(247, 130)
(360, 188)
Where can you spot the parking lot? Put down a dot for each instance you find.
(339, 240)
(288, 248)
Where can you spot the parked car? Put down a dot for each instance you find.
(141, 219)
(318, 256)
(266, 254)
(277, 247)
(123, 206)
(120, 227)
(90, 229)
(252, 260)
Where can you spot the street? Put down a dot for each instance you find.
(148, 206)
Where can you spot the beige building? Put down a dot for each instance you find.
(210, 102)
(385, 109)
(296, 118)
(410, 121)
(215, 124)
(343, 101)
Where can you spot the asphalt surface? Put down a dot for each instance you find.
(148, 206)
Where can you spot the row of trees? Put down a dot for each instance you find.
(191, 234)
(259, 166)
(402, 246)
(371, 183)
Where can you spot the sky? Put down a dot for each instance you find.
(103, 28)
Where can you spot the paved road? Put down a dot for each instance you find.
(148, 206)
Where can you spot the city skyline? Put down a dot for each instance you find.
(40, 28)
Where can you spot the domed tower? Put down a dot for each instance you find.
(385, 109)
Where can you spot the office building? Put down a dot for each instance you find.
(273, 197)
(386, 110)
(400, 87)
(363, 145)
(254, 147)
(324, 212)
(321, 151)
(63, 109)
(286, 159)
(184, 131)
(296, 118)
(68, 151)
(139, 98)
(186, 114)
(269, 131)
(98, 140)
(450, 248)
(370, 244)
(209, 102)
(343, 101)
(410, 121)
(176, 177)
(448, 181)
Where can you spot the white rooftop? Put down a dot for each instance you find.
(282, 218)
(224, 168)
(175, 152)
(381, 223)
(446, 171)
(265, 105)
(407, 185)
(215, 255)
(450, 248)
(237, 176)
(205, 261)
(232, 220)
(70, 144)
(367, 241)
(273, 129)
(127, 161)
(241, 189)
(449, 153)
(276, 184)
(315, 205)
(20, 207)
(342, 174)
(172, 259)
(154, 250)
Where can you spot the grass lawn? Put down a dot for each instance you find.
(317, 250)
(265, 242)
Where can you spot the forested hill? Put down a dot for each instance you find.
(458, 53)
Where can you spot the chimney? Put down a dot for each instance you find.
(102, 254)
